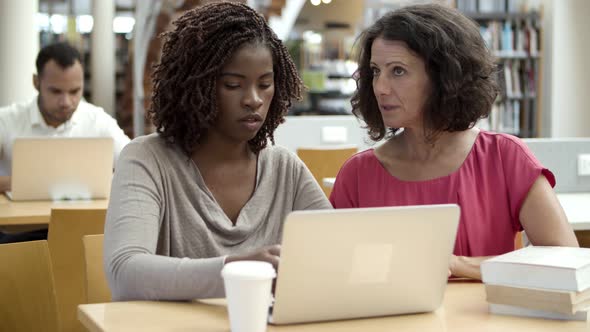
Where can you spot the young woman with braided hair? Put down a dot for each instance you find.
(204, 190)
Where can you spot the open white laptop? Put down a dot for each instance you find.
(353, 263)
(71, 168)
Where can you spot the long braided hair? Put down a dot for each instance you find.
(184, 104)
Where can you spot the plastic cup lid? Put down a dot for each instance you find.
(249, 270)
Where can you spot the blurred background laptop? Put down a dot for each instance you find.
(72, 168)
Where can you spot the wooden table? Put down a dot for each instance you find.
(36, 213)
(464, 309)
(577, 209)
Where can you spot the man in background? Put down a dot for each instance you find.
(57, 111)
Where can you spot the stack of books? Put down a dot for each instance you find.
(545, 282)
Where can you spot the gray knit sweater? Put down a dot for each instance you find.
(165, 235)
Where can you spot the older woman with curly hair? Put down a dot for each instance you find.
(425, 78)
(206, 189)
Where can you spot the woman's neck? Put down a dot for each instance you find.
(414, 145)
(214, 148)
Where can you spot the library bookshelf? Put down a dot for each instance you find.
(513, 34)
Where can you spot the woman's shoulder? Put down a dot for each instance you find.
(512, 151)
(361, 159)
(277, 150)
(151, 146)
(145, 142)
(274, 154)
(501, 141)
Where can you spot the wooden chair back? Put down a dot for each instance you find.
(325, 162)
(97, 287)
(66, 228)
(27, 300)
(518, 241)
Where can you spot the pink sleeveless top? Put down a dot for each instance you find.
(490, 187)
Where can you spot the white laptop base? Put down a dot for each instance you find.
(353, 263)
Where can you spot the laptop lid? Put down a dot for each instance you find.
(66, 168)
(352, 263)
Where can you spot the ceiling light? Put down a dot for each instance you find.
(312, 37)
(316, 2)
(123, 24)
(326, 1)
(42, 21)
(58, 23)
(84, 23)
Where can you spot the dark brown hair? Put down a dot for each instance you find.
(64, 54)
(184, 103)
(460, 67)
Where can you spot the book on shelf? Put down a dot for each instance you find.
(520, 38)
(509, 117)
(528, 76)
(496, 29)
(516, 6)
(516, 116)
(565, 302)
(557, 268)
(531, 39)
(504, 117)
(502, 309)
(491, 6)
(467, 6)
(508, 77)
(516, 78)
(507, 39)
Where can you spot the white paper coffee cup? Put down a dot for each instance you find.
(248, 291)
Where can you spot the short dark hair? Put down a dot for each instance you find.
(459, 64)
(184, 103)
(64, 54)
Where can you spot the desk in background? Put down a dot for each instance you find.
(577, 209)
(464, 309)
(16, 215)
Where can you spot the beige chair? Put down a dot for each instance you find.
(97, 287)
(325, 162)
(66, 228)
(518, 241)
(27, 300)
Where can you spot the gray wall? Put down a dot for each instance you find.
(560, 155)
(306, 131)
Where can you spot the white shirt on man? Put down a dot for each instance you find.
(25, 120)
